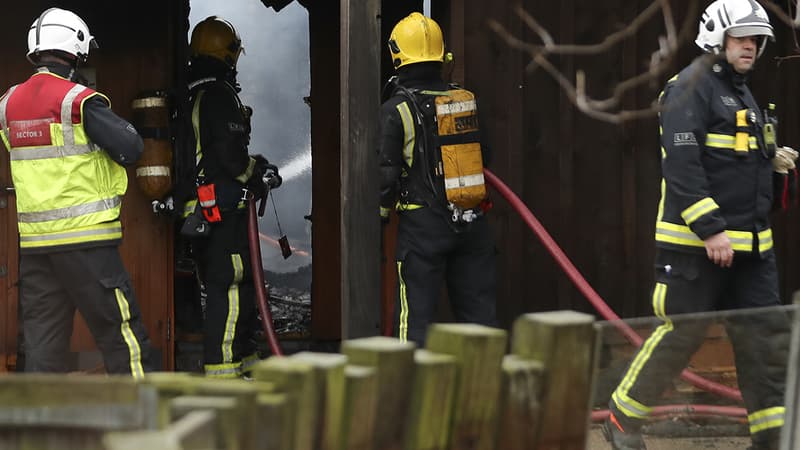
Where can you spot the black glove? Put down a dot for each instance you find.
(260, 167)
(255, 183)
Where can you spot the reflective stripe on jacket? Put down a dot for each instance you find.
(69, 191)
(717, 172)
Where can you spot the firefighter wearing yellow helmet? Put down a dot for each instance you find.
(432, 152)
(68, 153)
(715, 248)
(217, 214)
(216, 38)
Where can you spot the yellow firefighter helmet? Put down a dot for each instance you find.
(416, 39)
(215, 37)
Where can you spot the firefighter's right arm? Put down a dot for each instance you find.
(390, 156)
(111, 132)
(682, 138)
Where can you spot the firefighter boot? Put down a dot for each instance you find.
(766, 440)
(622, 438)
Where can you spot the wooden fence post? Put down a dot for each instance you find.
(168, 385)
(275, 416)
(393, 361)
(196, 430)
(523, 382)
(70, 412)
(564, 342)
(228, 429)
(330, 385)
(478, 351)
(432, 398)
(296, 379)
(360, 408)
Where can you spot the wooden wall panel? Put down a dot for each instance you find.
(360, 106)
(326, 312)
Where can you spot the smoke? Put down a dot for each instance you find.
(274, 73)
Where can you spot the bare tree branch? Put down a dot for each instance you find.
(782, 16)
(660, 59)
(659, 62)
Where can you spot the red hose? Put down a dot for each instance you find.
(587, 290)
(262, 297)
(684, 411)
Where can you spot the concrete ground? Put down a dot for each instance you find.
(598, 442)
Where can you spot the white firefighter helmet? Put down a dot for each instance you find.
(737, 18)
(60, 30)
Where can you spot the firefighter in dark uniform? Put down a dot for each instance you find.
(713, 237)
(428, 127)
(225, 171)
(68, 154)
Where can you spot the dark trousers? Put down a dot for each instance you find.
(93, 281)
(231, 317)
(430, 252)
(688, 283)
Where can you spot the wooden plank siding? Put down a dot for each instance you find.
(593, 185)
(326, 312)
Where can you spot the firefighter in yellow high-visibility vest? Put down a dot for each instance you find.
(431, 155)
(68, 154)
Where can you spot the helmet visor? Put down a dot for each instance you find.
(751, 30)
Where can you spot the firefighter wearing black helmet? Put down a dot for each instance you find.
(431, 157)
(224, 171)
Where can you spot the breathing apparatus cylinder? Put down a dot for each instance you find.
(154, 168)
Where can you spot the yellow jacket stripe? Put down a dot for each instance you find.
(698, 210)
(621, 398)
(409, 133)
(741, 241)
(33, 153)
(227, 370)
(402, 332)
(106, 231)
(198, 148)
(766, 419)
(233, 309)
(134, 349)
(70, 211)
(727, 141)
